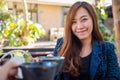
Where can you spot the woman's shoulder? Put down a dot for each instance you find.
(104, 45)
(57, 46)
(107, 48)
(107, 45)
(59, 40)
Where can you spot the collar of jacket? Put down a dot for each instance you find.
(95, 60)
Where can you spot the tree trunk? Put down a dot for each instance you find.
(116, 17)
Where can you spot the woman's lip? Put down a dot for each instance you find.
(80, 31)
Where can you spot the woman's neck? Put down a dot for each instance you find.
(86, 49)
(86, 42)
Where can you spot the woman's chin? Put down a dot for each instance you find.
(84, 37)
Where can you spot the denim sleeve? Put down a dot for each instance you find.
(55, 52)
(113, 71)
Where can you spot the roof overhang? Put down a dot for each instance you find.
(52, 2)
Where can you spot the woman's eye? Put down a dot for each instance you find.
(85, 19)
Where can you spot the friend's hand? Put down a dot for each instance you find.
(8, 70)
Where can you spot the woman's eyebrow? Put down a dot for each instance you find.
(80, 17)
(83, 16)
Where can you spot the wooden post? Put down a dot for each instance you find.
(25, 11)
(116, 17)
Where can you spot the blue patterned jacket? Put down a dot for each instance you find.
(104, 64)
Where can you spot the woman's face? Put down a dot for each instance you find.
(82, 24)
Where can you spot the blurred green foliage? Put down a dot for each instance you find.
(4, 14)
(100, 11)
(3, 2)
(1, 52)
(13, 33)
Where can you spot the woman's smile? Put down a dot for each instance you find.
(81, 31)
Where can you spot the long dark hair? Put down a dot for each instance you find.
(72, 46)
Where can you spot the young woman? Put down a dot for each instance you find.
(87, 55)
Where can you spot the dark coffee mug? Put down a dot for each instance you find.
(44, 70)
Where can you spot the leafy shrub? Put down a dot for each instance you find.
(14, 34)
(100, 11)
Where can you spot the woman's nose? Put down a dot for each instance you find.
(79, 25)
